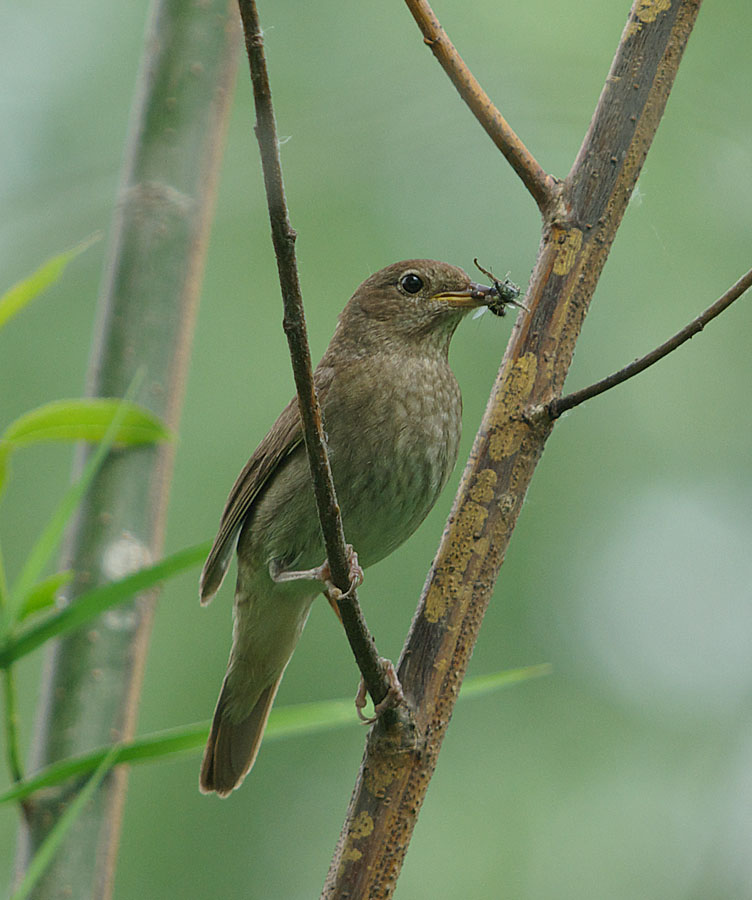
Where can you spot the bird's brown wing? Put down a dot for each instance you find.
(282, 438)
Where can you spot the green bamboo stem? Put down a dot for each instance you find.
(146, 317)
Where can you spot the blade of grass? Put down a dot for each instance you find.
(10, 721)
(84, 419)
(285, 721)
(24, 291)
(48, 541)
(42, 595)
(54, 839)
(94, 602)
(485, 684)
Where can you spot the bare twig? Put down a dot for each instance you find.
(283, 238)
(536, 180)
(556, 407)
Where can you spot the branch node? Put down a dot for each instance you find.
(538, 417)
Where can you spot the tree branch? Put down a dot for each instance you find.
(541, 185)
(283, 238)
(556, 407)
(577, 237)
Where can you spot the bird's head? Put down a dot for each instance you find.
(417, 302)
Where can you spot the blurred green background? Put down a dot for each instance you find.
(628, 772)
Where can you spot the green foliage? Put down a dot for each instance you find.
(285, 721)
(93, 603)
(54, 839)
(42, 596)
(26, 290)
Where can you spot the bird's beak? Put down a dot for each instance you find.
(472, 296)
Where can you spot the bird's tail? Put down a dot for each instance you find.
(267, 628)
(233, 745)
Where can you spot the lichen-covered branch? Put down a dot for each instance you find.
(577, 237)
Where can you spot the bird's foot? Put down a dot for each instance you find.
(394, 695)
(332, 593)
(321, 573)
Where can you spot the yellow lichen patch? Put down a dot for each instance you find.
(378, 778)
(482, 545)
(362, 826)
(351, 854)
(437, 603)
(441, 664)
(649, 10)
(482, 489)
(506, 438)
(506, 441)
(569, 243)
(444, 589)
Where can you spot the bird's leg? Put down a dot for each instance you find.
(394, 695)
(332, 593)
(323, 574)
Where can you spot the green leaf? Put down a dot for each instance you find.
(42, 595)
(303, 718)
(51, 844)
(284, 721)
(85, 419)
(48, 541)
(94, 602)
(23, 292)
(485, 684)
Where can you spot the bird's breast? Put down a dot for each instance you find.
(394, 428)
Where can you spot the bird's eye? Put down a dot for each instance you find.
(411, 283)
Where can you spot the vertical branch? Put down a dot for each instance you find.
(283, 238)
(146, 316)
(577, 237)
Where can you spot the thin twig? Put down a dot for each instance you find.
(283, 238)
(556, 407)
(536, 180)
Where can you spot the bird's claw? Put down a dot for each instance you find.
(394, 695)
(332, 593)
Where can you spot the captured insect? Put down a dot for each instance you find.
(505, 293)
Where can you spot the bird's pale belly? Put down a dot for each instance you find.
(388, 473)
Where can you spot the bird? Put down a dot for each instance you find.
(392, 410)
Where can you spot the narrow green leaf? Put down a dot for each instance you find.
(485, 684)
(48, 541)
(94, 602)
(42, 595)
(284, 721)
(85, 419)
(4, 454)
(24, 291)
(51, 844)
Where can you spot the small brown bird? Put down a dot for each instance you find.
(392, 412)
